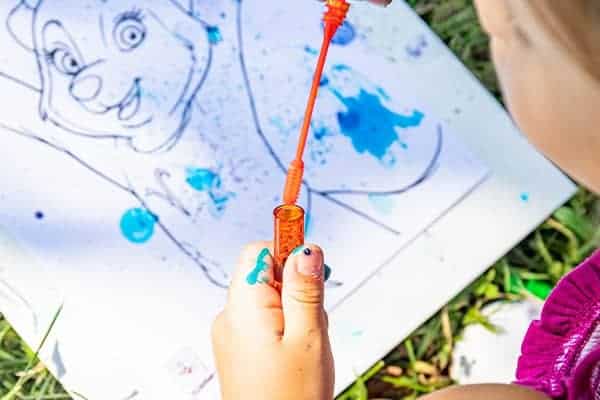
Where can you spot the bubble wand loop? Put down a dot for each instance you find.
(289, 217)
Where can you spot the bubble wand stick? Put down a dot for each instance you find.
(289, 217)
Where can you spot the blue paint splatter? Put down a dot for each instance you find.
(524, 197)
(214, 34)
(344, 35)
(370, 125)
(39, 215)
(277, 122)
(202, 179)
(357, 333)
(382, 204)
(310, 50)
(137, 225)
(319, 147)
(254, 276)
(205, 180)
(341, 67)
(218, 203)
(324, 81)
(320, 133)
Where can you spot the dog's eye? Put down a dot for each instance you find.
(64, 61)
(129, 32)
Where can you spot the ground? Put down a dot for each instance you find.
(420, 364)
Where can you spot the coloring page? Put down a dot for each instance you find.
(145, 142)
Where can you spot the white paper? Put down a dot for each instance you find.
(142, 147)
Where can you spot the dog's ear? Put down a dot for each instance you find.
(180, 21)
(20, 22)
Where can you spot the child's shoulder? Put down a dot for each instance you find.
(561, 351)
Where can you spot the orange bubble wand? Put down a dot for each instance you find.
(289, 217)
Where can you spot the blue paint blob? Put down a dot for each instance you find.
(524, 197)
(382, 204)
(370, 125)
(214, 34)
(39, 215)
(344, 35)
(324, 81)
(320, 133)
(341, 67)
(202, 179)
(137, 225)
(254, 276)
(310, 50)
(205, 180)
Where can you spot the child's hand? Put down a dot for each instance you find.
(273, 345)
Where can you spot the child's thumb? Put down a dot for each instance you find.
(302, 293)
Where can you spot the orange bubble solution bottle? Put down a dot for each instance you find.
(289, 217)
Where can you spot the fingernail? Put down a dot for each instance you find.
(310, 263)
(298, 250)
(256, 275)
(327, 273)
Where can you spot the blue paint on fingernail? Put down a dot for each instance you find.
(297, 250)
(254, 276)
(327, 273)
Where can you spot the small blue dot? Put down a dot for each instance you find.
(310, 50)
(39, 215)
(524, 197)
(214, 34)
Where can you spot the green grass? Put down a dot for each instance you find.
(420, 364)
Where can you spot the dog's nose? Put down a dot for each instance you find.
(86, 87)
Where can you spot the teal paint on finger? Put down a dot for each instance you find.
(254, 276)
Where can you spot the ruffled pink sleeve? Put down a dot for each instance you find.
(560, 355)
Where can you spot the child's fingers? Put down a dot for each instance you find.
(302, 293)
(253, 301)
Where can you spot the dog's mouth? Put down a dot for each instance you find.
(130, 105)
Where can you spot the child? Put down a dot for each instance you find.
(547, 53)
